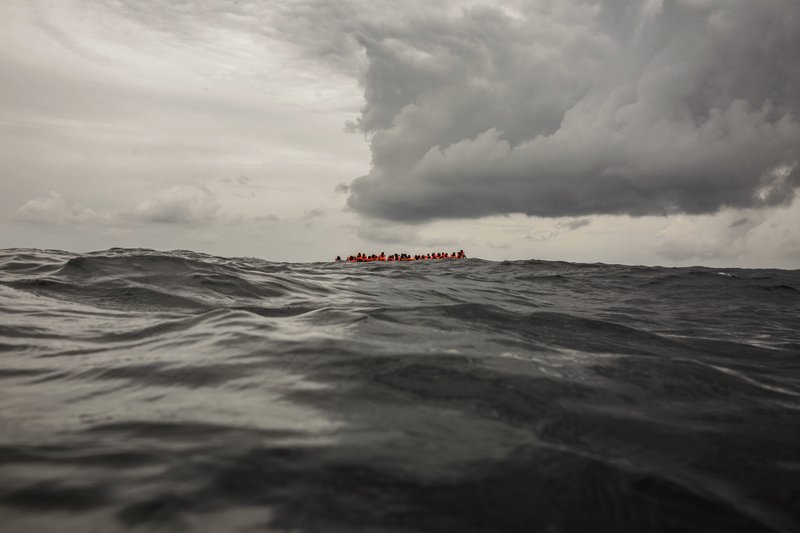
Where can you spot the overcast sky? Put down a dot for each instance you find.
(630, 131)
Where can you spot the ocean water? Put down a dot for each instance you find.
(165, 391)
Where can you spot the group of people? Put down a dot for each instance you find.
(364, 258)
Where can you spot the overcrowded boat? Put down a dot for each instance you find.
(365, 258)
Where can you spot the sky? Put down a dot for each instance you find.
(658, 132)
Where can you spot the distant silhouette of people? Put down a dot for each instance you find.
(361, 257)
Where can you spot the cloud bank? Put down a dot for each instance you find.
(570, 108)
(179, 205)
(54, 209)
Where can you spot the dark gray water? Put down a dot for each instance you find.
(159, 391)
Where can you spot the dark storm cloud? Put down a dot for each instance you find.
(569, 108)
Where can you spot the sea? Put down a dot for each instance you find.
(143, 390)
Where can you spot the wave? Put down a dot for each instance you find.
(177, 390)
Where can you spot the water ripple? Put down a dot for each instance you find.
(156, 391)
